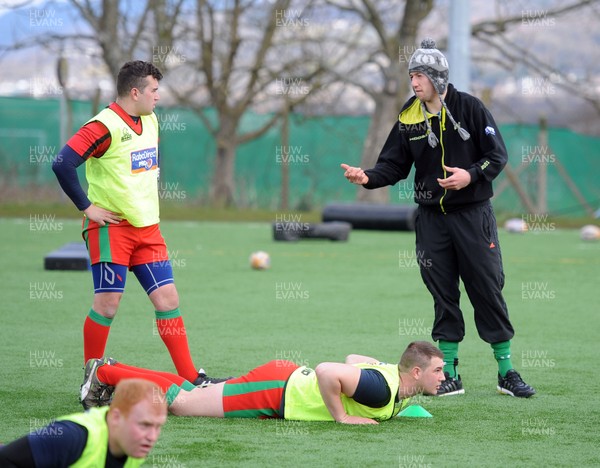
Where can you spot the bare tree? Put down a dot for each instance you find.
(388, 55)
(118, 35)
(511, 52)
(118, 29)
(395, 41)
(237, 57)
(235, 53)
(121, 36)
(238, 52)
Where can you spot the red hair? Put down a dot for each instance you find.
(129, 392)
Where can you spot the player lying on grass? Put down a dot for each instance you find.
(119, 435)
(360, 391)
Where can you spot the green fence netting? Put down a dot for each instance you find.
(30, 138)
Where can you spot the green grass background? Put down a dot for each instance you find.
(356, 296)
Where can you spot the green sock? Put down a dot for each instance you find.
(172, 393)
(100, 319)
(502, 355)
(187, 386)
(450, 350)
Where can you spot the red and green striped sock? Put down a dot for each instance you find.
(168, 383)
(176, 379)
(173, 333)
(95, 335)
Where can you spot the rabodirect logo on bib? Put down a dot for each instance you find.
(144, 160)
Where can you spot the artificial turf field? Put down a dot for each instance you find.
(320, 301)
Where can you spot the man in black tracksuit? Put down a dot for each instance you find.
(456, 233)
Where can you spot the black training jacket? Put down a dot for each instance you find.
(483, 155)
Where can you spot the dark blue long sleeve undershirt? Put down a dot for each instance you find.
(65, 167)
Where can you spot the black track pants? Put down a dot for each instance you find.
(463, 244)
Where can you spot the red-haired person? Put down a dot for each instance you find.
(119, 435)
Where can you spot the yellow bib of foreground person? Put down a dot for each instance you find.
(94, 453)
